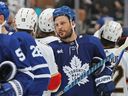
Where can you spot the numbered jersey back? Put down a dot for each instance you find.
(30, 49)
(120, 75)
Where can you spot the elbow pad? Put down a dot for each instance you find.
(7, 71)
(55, 83)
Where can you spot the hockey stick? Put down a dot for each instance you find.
(118, 61)
(120, 57)
(98, 32)
(94, 68)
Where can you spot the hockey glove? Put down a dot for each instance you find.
(104, 82)
(106, 89)
(6, 90)
(7, 71)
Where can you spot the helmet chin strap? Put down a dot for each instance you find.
(72, 25)
(73, 29)
(1, 26)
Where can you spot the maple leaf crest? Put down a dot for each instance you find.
(76, 70)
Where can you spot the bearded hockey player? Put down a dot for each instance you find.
(74, 54)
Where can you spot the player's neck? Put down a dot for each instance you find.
(3, 30)
(72, 38)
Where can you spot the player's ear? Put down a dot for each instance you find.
(73, 24)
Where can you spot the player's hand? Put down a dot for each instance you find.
(7, 90)
(105, 89)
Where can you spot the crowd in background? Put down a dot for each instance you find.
(87, 17)
(88, 13)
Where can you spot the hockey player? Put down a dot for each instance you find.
(26, 20)
(73, 54)
(110, 34)
(47, 35)
(46, 26)
(15, 78)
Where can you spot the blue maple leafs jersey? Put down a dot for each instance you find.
(74, 58)
(10, 51)
(37, 61)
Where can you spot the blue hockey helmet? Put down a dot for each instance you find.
(66, 11)
(4, 10)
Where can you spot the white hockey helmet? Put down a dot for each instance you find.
(26, 18)
(112, 31)
(46, 23)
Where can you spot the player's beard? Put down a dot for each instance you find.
(68, 35)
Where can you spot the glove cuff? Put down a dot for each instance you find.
(10, 74)
(17, 87)
(103, 79)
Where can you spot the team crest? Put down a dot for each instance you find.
(75, 70)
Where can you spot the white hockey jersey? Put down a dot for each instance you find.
(48, 39)
(49, 56)
(120, 75)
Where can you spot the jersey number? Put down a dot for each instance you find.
(118, 78)
(20, 54)
(35, 51)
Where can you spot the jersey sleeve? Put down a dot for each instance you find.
(105, 77)
(24, 76)
(40, 69)
(39, 66)
(98, 48)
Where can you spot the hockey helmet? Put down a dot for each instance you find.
(112, 31)
(46, 23)
(26, 18)
(64, 10)
(4, 10)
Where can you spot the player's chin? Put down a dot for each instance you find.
(62, 36)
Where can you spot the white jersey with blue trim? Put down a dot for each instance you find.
(48, 39)
(49, 56)
(121, 74)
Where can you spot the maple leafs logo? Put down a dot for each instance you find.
(75, 70)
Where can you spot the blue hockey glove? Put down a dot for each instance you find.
(103, 79)
(7, 71)
(7, 90)
(106, 89)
